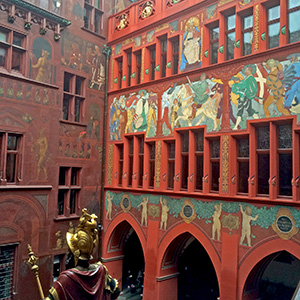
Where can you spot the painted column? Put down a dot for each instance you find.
(133, 78)
(263, 30)
(124, 71)
(229, 267)
(150, 283)
(283, 36)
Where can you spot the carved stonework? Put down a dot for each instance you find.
(146, 9)
(188, 211)
(225, 164)
(171, 3)
(153, 211)
(158, 157)
(284, 224)
(122, 20)
(231, 222)
(110, 164)
(125, 203)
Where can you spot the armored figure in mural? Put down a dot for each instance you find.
(85, 281)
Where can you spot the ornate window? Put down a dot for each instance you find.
(73, 98)
(230, 36)
(171, 164)
(175, 54)
(273, 26)
(247, 34)
(242, 164)
(199, 153)
(12, 50)
(293, 19)
(93, 15)
(138, 57)
(184, 159)
(69, 186)
(11, 157)
(141, 161)
(285, 159)
(263, 159)
(214, 164)
(214, 43)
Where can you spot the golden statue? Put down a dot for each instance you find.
(85, 280)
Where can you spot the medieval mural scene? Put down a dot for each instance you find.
(149, 150)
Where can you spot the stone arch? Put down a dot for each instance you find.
(261, 252)
(199, 235)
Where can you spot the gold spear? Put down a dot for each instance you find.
(35, 268)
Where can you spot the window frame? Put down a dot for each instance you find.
(89, 21)
(4, 151)
(70, 111)
(66, 189)
(10, 47)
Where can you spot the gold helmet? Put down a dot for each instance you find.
(85, 238)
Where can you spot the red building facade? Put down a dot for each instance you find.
(202, 169)
(52, 83)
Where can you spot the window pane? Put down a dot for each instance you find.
(230, 22)
(12, 142)
(67, 82)
(171, 174)
(263, 170)
(11, 167)
(77, 108)
(215, 33)
(16, 60)
(247, 43)
(199, 172)
(285, 136)
(215, 172)
(199, 140)
(97, 22)
(293, 3)
(274, 35)
(74, 176)
(248, 22)
(66, 109)
(243, 175)
(171, 150)
(3, 35)
(62, 176)
(86, 18)
(18, 39)
(215, 149)
(274, 13)
(230, 45)
(285, 174)
(78, 86)
(243, 147)
(7, 259)
(184, 171)
(73, 198)
(263, 138)
(294, 26)
(2, 56)
(61, 202)
(185, 142)
(151, 173)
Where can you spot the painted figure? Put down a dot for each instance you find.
(191, 44)
(144, 204)
(276, 88)
(246, 89)
(98, 71)
(165, 108)
(42, 145)
(246, 224)
(43, 67)
(216, 228)
(164, 213)
(142, 109)
(109, 199)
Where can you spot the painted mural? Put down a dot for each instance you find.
(267, 89)
(191, 45)
(192, 104)
(81, 55)
(41, 68)
(283, 221)
(136, 112)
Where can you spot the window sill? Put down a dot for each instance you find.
(64, 218)
(94, 33)
(20, 76)
(73, 123)
(25, 187)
